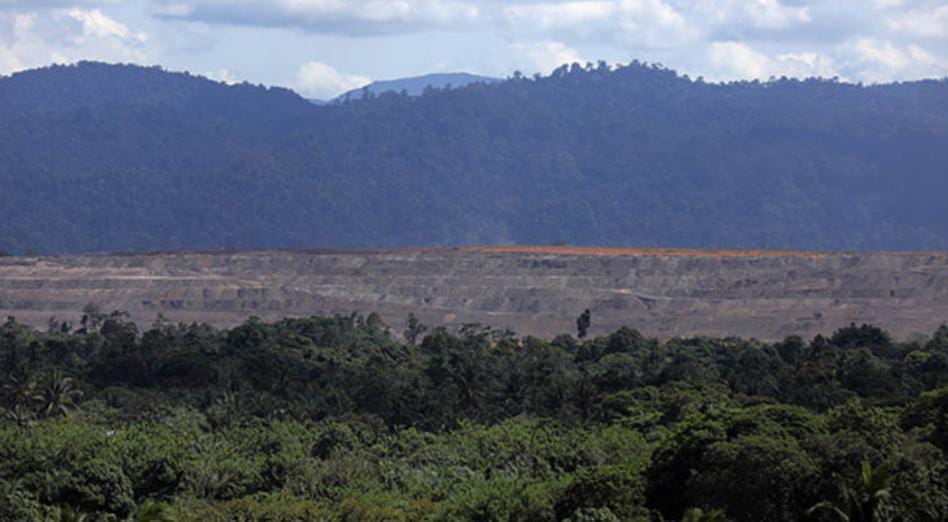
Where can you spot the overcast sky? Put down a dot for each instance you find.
(324, 47)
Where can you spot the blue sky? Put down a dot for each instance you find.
(324, 47)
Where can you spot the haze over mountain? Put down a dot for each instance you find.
(99, 157)
(416, 86)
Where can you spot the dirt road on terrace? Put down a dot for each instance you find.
(533, 290)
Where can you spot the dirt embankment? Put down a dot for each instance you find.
(533, 290)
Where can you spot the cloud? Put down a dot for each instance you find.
(874, 60)
(771, 14)
(35, 39)
(17, 27)
(97, 25)
(734, 60)
(924, 22)
(560, 15)
(740, 38)
(351, 17)
(547, 55)
(864, 60)
(44, 4)
(748, 16)
(643, 24)
(322, 81)
(714, 38)
(223, 76)
(653, 24)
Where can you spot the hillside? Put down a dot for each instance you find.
(416, 86)
(99, 157)
(535, 291)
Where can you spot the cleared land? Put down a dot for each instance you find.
(533, 290)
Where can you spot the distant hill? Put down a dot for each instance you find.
(98, 157)
(417, 85)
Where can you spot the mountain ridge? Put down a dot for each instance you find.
(416, 85)
(99, 157)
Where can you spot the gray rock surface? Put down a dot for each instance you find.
(533, 291)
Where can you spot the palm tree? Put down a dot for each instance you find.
(69, 514)
(868, 505)
(700, 515)
(209, 482)
(17, 389)
(153, 512)
(57, 396)
(20, 415)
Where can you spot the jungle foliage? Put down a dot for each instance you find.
(98, 157)
(334, 418)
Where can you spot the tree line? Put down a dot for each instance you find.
(336, 418)
(98, 157)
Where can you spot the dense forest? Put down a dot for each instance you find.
(334, 418)
(97, 157)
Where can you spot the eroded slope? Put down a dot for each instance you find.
(531, 290)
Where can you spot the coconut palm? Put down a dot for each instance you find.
(153, 512)
(20, 415)
(17, 389)
(57, 395)
(700, 515)
(867, 505)
(69, 514)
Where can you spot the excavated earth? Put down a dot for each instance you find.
(532, 290)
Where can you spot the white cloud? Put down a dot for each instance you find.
(865, 40)
(560, 15)
(739, 60)
(806, 65)
(322, 81)
(642, 24)
(643, 19)
(35, 39)
(746, 19)
(879, 61)
(925, 22)
(172, 9)
(42, 4)
(862, 59)
(353, 17)
(713, 38)
(547, 55)
(735, 60)
(18, 27)
(772, 14)
(653, 24)
(97, 25)
(223, 76)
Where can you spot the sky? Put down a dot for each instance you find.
(322, 48)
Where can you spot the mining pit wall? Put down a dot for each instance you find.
(537, 291)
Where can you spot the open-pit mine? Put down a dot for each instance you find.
(531, 290)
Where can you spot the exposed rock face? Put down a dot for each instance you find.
(533, 291)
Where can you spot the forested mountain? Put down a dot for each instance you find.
(100, 157)
(416, 86)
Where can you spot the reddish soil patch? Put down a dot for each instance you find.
(674, 252)
(619, 251)
(549, 250)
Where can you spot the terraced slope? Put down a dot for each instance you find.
(531, 290)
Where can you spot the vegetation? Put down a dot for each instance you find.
(331, 418)
(97, 157)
